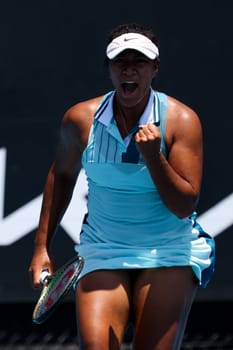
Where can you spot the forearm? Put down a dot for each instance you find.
(176, 192)
(57, 194)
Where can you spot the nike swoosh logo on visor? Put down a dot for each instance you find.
(128, 39)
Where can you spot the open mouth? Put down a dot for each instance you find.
(129, 86)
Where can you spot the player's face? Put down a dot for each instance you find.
(131, 73)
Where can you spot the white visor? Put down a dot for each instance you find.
(132, 41)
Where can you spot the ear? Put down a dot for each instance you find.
(156, 66)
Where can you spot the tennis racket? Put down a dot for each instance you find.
(55, 287)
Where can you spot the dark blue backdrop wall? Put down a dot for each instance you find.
(52, 55)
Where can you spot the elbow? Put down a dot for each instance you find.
(182, 214)
(186, 208)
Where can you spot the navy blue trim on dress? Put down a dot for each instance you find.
(103, 106)
(132, 154)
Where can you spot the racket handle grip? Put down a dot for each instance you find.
(44, 275)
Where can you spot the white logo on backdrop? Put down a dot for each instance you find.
(25, 219)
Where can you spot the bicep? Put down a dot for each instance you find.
(68, 154)
(186, 151)
(74, 133)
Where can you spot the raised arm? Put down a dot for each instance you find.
(177, 178)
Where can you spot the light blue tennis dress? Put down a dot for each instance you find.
(127, 225)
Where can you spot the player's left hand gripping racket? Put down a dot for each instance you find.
(55, 288)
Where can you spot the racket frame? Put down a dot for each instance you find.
(39, 317)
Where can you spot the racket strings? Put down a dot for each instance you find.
(56, 287)
(52, 287)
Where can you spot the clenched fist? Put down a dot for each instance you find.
(148, 140)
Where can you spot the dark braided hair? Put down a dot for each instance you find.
(132, 28)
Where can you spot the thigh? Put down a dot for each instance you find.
(161, 300)
(102, 305)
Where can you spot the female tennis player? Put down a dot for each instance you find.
(144, 253)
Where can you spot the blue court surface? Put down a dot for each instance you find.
(209, 327)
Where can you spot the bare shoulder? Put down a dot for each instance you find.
(181, 120)
(177, 109)
(82, 112)
(77, 121)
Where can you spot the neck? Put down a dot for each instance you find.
(133, 111)
(127, 117)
